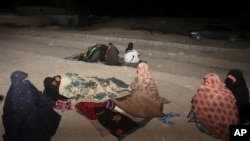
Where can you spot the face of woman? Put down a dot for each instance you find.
(57, 80)
(232, 78)
(140, 69)
(205, 82)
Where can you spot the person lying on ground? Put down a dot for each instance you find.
(108, 54)
(91, 54)
(51, 89)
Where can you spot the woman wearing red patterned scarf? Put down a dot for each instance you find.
(214, 108)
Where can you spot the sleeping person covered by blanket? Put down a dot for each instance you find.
(107, 54)
(107, 102)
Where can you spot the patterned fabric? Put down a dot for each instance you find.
(89, 89)
(64, 105)
(215, 106)
(145, 82)
(87, 108)
(91, 54)
(28, 115)
(116, 123)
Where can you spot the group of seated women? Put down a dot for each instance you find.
(217, 105)
(117, 107)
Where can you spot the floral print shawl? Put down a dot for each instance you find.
(215, 106)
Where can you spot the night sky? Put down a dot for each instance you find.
(152, 8)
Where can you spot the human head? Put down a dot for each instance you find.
(47, 82)
(130, 45)
(237, 74)
(212, 79)
(18, 77)
(142, 67)
(233, 76)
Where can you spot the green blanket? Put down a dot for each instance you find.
(90, 89)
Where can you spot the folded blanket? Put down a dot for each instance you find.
(90, 89)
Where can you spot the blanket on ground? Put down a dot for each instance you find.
(90, 89)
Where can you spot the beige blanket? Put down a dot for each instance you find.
(140, 105)
(90, 89)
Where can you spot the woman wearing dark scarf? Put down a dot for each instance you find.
(112, 55)
(51, 88)
(28, 115)
(236, 83)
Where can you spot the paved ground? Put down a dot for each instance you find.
(178, 67)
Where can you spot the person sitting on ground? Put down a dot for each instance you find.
(28, 115)
(112, 55)
(214, 108)
(131, 55)
(130, 47)
(235, 82)
(144, 101)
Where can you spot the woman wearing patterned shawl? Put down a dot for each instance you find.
(214, 108)
(236, 83)
(144, 101)
(144, 81)
(28, 115)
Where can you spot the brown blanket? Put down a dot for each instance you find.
(140, 105)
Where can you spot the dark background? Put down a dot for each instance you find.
(150, 8)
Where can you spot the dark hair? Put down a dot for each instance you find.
(130, 47)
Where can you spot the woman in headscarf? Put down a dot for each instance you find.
(144, 81)
(112, 55)
(144, 100)
(28, 115)
(214, 108)
(51, 88)
(236, 83)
